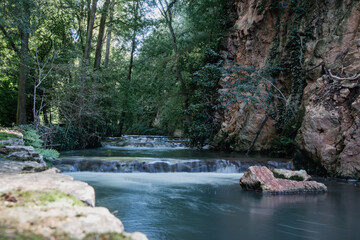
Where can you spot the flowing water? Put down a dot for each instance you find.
(207, 202)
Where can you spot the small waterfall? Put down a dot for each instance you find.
(158, 154)
(140, 141)
(157, 166)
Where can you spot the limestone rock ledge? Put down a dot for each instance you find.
(46, 205)
(262, 179)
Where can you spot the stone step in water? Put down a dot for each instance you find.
(141, 141)
(128, 165)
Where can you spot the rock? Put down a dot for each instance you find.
(22, 153)
(19, 148)
(344, 93)
(48, 180)
(349, 84)
(12, 167)
(38, 205)
(13, 141)
(356, 104)
(61, 223)
(136, 236)
(262, 179)
(300, 175)
(331, 118)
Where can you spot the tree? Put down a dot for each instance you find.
(22, 10)
(89, 34)
(108, 36)
(100, 39)
(166, 10)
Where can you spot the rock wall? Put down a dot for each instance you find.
(315, 45)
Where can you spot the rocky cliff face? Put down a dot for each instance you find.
(313, 48)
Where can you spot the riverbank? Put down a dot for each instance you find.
(40, 203)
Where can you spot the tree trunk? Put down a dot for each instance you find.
(101, 36)
(89, 33)
(45, 115)
(24, 68)
(167, 13)
(108, 37)
(133, 47)
(257, 134)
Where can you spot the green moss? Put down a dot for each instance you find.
(277, 175)
(8, 233)
(42, 198)
(6, 135)
(294, 178)
(105, 236)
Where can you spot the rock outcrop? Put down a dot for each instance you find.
(313, 51)
(47, 204)
(13, 148)
(51, 205)
(263, 180)
(48, 180)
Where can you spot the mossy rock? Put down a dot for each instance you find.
(13, 234)
(105, 236)
(8, 233)
(294, 178)
(38, 198)
(6, 135)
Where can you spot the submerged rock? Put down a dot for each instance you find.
(262, 179)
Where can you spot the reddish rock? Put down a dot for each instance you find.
(329, 135)
(262, 179)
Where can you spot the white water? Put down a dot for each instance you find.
(131, 180)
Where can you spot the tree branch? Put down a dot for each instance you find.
(7, 36)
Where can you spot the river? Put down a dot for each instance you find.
(195, 195)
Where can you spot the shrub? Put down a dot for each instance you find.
(32, 138)
(282, 146)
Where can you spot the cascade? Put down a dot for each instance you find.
(158, 154)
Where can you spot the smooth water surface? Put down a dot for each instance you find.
(212, 206)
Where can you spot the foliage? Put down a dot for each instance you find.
(136, 90)
(204, 83)
(282, 146)
(48, 153)
(32, 138)
(8, 101)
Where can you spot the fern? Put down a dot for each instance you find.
(31, 137)
(48, 153)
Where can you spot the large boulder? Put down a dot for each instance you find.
(48, 180)
(262, 179)
(49, 205)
